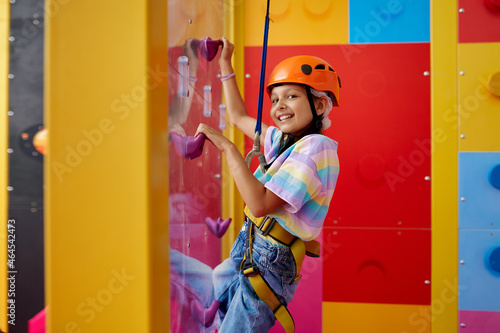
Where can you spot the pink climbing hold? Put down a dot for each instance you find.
(217, 227)
(189, 147)
(209, 47)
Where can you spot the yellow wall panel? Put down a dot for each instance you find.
(4, 141)
(375, 318)
(298, 22)
(479, 116)
(444, 163)
(4, 11)
(105, 102)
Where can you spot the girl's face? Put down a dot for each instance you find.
(290, 109)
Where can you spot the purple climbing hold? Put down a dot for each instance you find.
(189, 147)
(208, 48)
(203, 315)
(217, 227)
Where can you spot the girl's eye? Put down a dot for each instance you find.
(274, 101)
(291, 96)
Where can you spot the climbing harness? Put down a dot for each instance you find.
(268, 226)
(258, 126)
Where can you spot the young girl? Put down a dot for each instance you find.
(295, 191)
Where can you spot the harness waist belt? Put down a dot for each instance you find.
(268, 226)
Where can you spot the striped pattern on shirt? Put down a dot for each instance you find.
(304, 176)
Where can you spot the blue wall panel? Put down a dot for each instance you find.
(387, 21)
(479, 201)
(478, 280)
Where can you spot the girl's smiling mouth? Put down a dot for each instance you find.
(284, 117)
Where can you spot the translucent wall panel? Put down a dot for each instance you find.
(195, 199)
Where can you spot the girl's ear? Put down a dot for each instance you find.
(321, 105)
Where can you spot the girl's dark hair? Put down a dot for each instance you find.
(287, 139)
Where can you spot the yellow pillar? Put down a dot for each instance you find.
(444, 98)
(106, 174)
(4, 141)
(232, 203)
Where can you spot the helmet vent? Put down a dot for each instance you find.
(320, 67)
(331, 69)
(306, 69)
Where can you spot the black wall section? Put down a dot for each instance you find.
(25, 163)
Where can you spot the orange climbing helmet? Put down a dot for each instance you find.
(308, 70)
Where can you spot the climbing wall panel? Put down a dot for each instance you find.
(479, 165)
(378, 266)
(479, 321)
(479, 191)
(321, 22)
(477, 21)
(384, 187)
(479, 270)
(479, 96)
(106, 177)
(382, 21)
(361, 317)
(384, 138)
(195, 185)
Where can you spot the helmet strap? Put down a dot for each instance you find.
(317, 120)
(311, 102)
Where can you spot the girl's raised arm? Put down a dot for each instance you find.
(235, 105)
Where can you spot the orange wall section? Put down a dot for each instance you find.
(298, 22)
(365, 317)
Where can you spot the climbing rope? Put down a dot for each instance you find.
(255, 152)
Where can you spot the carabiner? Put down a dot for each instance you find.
(256, 152)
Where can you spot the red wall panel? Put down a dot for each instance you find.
(376, 265)
(479, 21)
(382, 126)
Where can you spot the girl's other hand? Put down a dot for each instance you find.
(226, 53)
(190, 50)
(177, 128)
